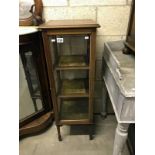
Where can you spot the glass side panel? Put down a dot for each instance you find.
(29, 88)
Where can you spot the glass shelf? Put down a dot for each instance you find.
(77, 88)
(74, 109)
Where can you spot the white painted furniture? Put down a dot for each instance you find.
(119, 77)
(27, 29)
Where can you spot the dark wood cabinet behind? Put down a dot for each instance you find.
(34, 69)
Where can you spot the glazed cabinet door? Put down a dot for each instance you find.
(70, 60)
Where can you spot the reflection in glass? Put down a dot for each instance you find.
(29, 89)
(32, 76)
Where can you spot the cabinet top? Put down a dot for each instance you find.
(54, 24)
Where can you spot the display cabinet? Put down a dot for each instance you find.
(69, 47)
(35, 104)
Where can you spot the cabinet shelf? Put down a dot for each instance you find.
(72, 62)
(74, 88)
(74, 109)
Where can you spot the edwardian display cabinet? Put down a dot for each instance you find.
(69, 47)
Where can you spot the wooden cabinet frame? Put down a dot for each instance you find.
(71, 28)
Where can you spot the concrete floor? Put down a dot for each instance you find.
(73, 142)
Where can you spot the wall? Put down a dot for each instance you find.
(112, 15)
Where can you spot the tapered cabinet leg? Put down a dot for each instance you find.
(59, 134)
(120, 138)
(104, 102)
(90, 137)
(91, 132)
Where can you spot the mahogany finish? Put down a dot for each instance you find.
(78, 115)
(37, 126)
(67, 24)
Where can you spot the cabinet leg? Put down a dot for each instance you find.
(91, 132)
(120, 138)
(59, 134)
(104, 111)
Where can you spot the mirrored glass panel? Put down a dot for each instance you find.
(29, 88)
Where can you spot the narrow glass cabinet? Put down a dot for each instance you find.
(69, 47)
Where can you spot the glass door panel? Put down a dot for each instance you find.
(70, 66)
(70, 50)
